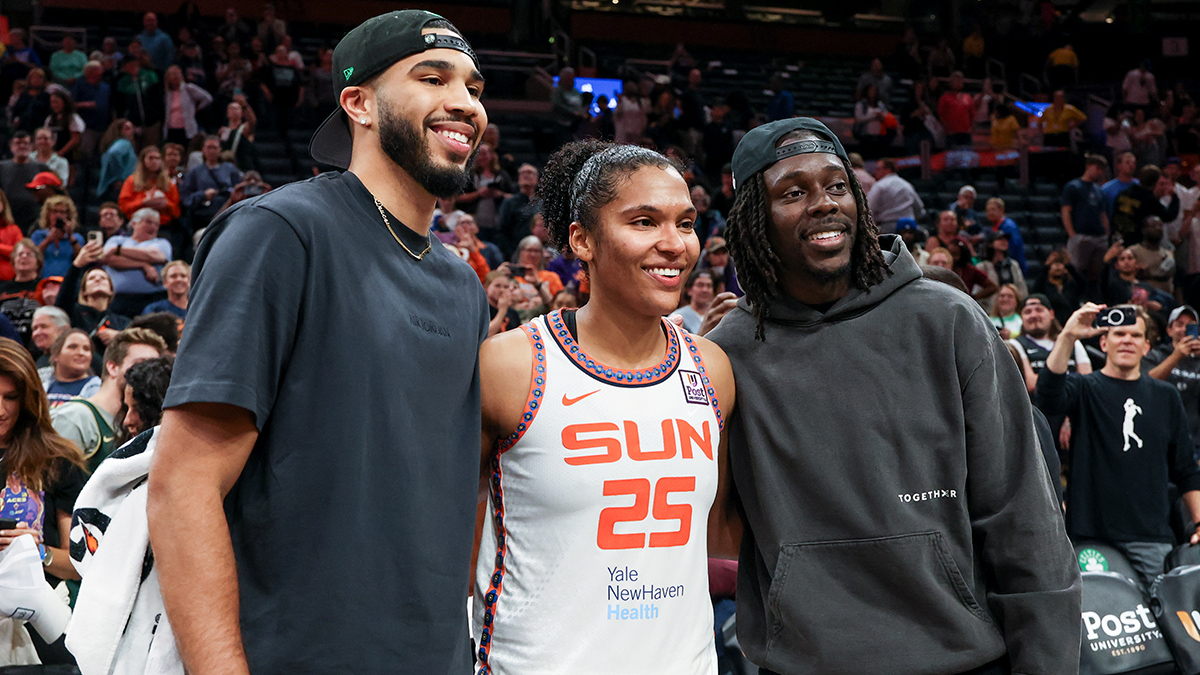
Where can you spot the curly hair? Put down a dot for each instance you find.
(565, 196)
(757, 264)
(147, 382)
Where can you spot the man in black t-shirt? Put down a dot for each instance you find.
(1130, 439)
(312, 498)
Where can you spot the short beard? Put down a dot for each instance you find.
(1037, 333)
(405, 146)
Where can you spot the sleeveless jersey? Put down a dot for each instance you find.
(594, 555)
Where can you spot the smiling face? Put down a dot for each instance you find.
(701, 293)
(643, 246)
(75, 358)
(1006, 301)
(45, 331)
(133, 420)
(1035, 319)
(814, 222)
(178, 280)
(429, 116)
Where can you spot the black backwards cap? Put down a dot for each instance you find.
(757, 150)
(366, 51)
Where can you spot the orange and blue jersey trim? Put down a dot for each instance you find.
(496, 584)
(614, 376)
(712, 391)
(537, 387)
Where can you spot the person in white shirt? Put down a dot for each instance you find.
(1139, 88)
(892, 198)
(135, 264)
(699, 290)
(43, 151)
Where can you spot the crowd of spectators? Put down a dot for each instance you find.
(157, 136)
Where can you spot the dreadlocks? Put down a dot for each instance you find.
(757, 265)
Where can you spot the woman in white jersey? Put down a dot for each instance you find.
(601, 441)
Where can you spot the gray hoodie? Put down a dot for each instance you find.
(900, 516)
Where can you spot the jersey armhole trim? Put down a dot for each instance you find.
(537, 387)
(712, 391)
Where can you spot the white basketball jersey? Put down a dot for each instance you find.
(594, 556)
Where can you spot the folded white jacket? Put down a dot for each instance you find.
(119, 626)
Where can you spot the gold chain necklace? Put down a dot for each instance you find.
(387, 223)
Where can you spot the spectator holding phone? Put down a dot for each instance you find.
(499, 285)
(86, 296)
(1178, 362)
(252, 185)
(1129, 438)
(536, 285)
(44, 474)
(57, 238)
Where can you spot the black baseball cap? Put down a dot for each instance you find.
(757, 150)
(366, 51)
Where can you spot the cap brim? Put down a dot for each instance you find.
(332, 143)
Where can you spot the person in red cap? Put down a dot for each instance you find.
(15, 173)
(45, 185)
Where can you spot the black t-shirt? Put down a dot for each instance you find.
(1128, 439)
(353, 518)
(1185, 377)
(17, 303)
(514, 319)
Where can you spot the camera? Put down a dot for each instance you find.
(60, 224)
(1116, 316)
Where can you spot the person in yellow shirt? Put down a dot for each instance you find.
(1058, 120)
(1062, 67)
(1004, 127)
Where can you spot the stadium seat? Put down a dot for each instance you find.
(1044, 204)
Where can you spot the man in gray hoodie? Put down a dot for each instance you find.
(898, 515)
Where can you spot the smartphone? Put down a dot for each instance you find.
(8, 523)
(95, 236)
(1116, 316)
(517, 270)
(1192, 330)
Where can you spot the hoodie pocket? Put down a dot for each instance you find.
(897, 603)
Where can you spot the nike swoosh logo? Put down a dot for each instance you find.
(573, 401)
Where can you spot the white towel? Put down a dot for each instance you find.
(120, 626)
(25, 594)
